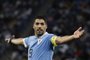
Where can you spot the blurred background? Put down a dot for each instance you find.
(63, 17)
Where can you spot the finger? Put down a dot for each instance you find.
(7, 40)
(83, 31)
(79, 28)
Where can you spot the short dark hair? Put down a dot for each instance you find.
(41, 17)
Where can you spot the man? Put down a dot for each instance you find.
(40, 46)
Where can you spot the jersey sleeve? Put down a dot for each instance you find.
(26, 41)
(53, 38)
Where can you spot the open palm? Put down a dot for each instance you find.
(78, 32)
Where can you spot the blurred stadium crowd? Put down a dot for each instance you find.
(63, 16)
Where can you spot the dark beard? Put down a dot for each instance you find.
(40, 33)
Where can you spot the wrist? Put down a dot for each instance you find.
(12, 37)
(72, 36)
(10, 40)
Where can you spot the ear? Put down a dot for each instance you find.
(46, 26)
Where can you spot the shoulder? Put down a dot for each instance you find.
(53, 38)
(29, 37)
(50, 35)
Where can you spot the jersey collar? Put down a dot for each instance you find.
(40, 38)
(42, 35)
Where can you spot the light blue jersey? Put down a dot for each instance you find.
(39, 48)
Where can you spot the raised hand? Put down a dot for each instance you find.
(79, 32)
(9, 38)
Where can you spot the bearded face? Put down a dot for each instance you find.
(39, 27)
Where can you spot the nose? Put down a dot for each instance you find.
(39, 26)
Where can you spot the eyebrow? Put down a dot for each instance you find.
(39, 22)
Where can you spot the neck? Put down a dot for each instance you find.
(38, 35)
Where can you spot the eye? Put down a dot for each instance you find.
(37, 23)
(42, 23)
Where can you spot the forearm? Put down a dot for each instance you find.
(17, 41)
(64, 39)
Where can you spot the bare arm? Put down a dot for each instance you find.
(17, 41)
(64, 39)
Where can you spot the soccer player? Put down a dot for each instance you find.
(41, 44)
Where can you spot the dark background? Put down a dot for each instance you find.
(63, 17)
